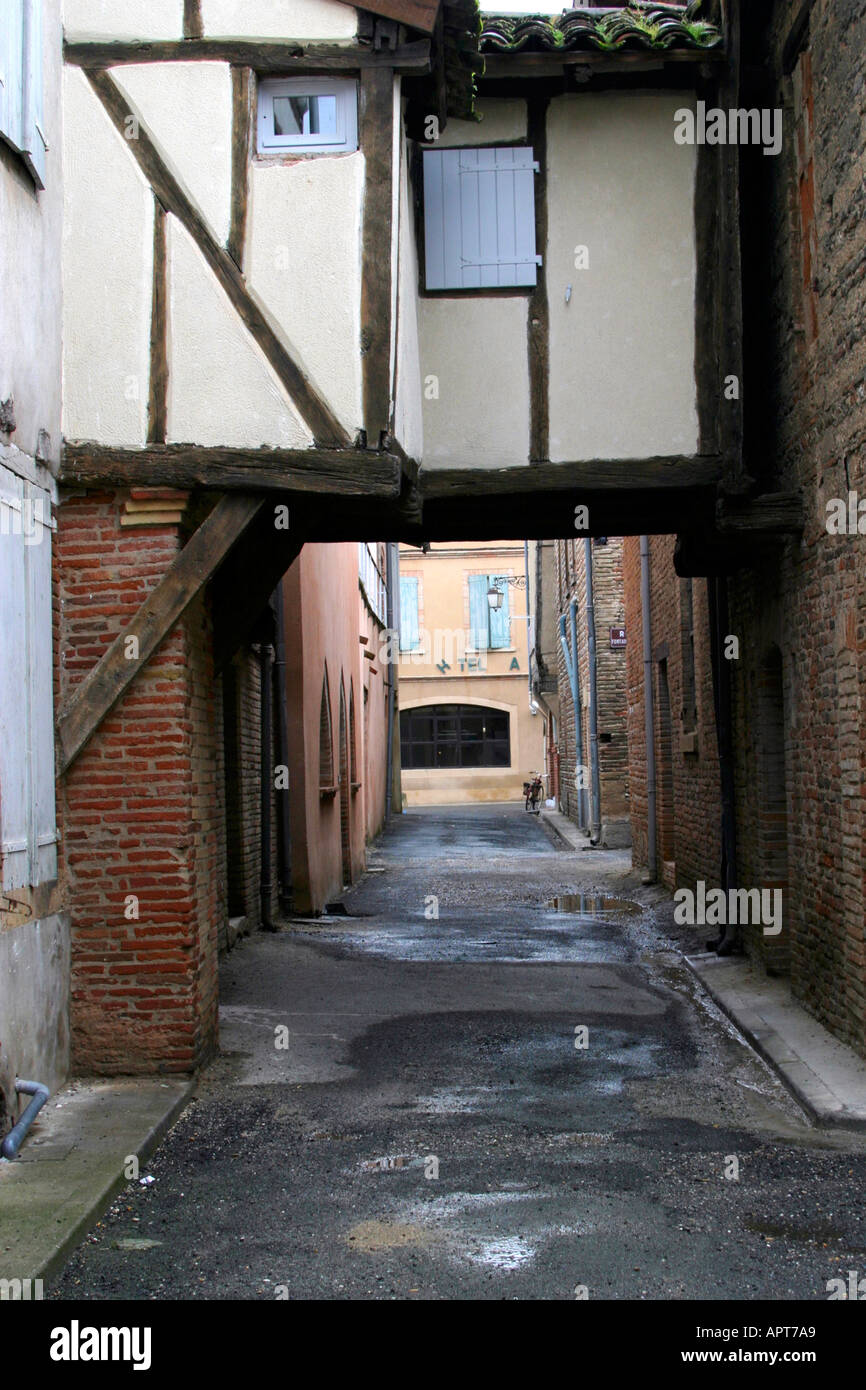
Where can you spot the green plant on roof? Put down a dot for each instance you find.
(700, 30)
(645, 25)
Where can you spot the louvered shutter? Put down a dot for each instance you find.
(479, 218)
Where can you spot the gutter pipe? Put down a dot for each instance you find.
(266, 779)
(15, 1137)
(574, 682)
(595, 836)
(284, 825)
(648, 709)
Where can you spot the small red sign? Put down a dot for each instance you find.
(617, 637)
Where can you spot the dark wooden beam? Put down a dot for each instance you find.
(324, 425)
(621, 476)
(157, 404)
(773, 514)
(377, 145)
(553, 64)
(730, 302)
(103, 686)
(243, 89)
(708, 291)
(286, 56)
(538, 312)
(193, 28)
(346, 472)
(415, 14)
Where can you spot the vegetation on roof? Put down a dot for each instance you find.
(634, 27)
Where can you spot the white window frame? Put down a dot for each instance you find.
(345, 138)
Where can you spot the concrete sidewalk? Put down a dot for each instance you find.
(827, 1078)
(71, 1166)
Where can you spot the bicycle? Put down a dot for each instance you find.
(533, 792)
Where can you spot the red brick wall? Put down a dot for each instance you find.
(140, 809)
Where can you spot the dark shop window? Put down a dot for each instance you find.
(454, 736)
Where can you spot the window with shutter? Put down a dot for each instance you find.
(410, 637)
(22, 122)
(489, 628)
(28, 836)
(479, 218)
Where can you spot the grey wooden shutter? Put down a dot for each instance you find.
(33, 142)
(12, 70)
(479, 218)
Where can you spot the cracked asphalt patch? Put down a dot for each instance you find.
(528, 1165)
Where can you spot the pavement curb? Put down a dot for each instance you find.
(55, 1262)
(821, 1105)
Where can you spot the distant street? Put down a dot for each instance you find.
(504, 1101)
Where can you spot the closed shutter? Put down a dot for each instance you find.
(28, 850)
(33, 143)
(12, 70)
(500, 626)
(410, 639)
(479, 612)
(479, 218)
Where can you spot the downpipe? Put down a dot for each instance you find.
(571, 666)
(717, 595)
(266, 778)
(648, 709)
(15, 1138)
(595, 835)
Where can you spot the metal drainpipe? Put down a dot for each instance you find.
(266, 777)
(573, 668)
(284, 805)
(593, 696)
(530, 627)
(717, 595)
(391, 570)
(14, 1139)
(649, 711)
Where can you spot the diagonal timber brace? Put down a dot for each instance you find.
(192, 568)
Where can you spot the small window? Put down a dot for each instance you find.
(312, 115)
(479, 218)
(326, 740)
(489, 628)
(22, 123)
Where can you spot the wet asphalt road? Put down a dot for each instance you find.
(400, 1109)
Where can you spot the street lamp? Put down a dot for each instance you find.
(495, 595)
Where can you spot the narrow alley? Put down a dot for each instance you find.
(501, 1101)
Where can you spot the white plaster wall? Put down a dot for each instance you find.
(107, 276)
(622, 351)
(34, 1004)
(408, 412)
(122, 19)
(30, 282)
(303, 260)
(502, 120)
(476, 346)
(187, 109)
(279, 19)
(221, 390)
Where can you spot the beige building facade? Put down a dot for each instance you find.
(469, 728)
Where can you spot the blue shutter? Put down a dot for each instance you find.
(33, 142)
(409, 636)
(479, 218)
(12, 70)
(500, 627)
(479, 612)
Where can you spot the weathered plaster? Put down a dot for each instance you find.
(221, 388)
(622, 379)
(279, 19)
(122, 19)
(107, 276)
(187, 109)
(304, 261)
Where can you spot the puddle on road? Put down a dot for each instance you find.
(588, 905)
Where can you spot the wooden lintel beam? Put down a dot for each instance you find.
(319, 417)
(773, 514)
(596, 475)
(283, 56)
(343, 472)
(103, 686)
